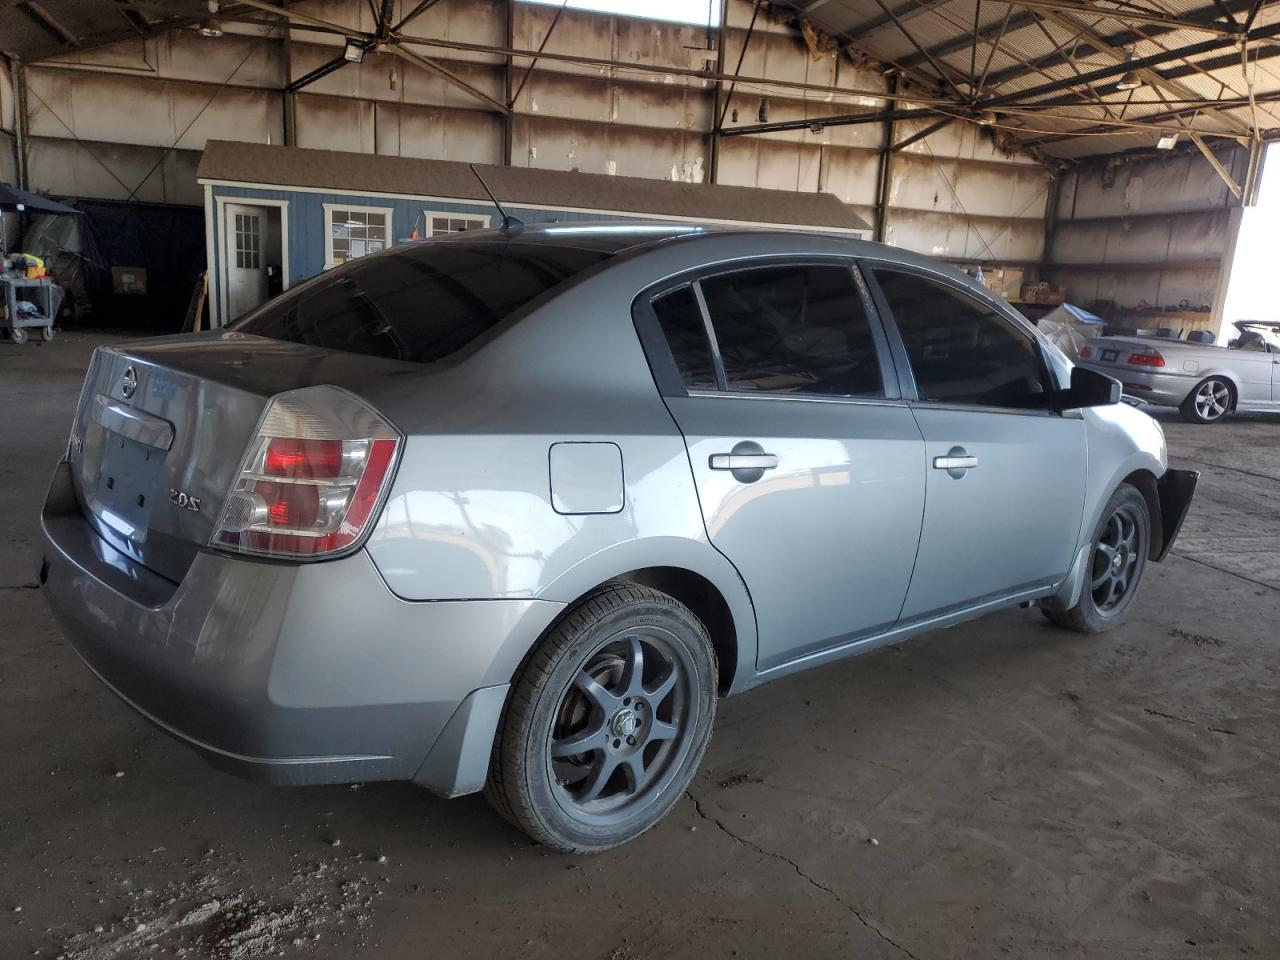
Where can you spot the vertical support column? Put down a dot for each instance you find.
(717, 99)
(18, 73)
(884, 191)
(290, 97)
(1050, 222)
(508, 118)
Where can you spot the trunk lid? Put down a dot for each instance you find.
(163, 425)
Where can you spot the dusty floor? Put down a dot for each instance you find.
(1032, 793)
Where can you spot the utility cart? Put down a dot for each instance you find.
(42, 293)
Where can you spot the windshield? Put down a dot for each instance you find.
(419, 302)
(1268, 333)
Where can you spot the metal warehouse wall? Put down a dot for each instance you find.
(1159, 230)
(129, 121)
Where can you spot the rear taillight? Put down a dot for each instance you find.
(1147, 358)
(1086, 352)
(312, 479)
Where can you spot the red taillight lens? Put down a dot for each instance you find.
(312, 479)
(287, 457)
(1150, 358)
(1086, 352)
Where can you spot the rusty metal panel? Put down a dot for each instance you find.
(613, 101)
(334, 123)
(112, 171)
(8, 166)
(968, 238)
(466, 21)
(960, 187)
(1179, 183)
(1151, 239)
(852, 176)
(239, 60)
(6, 101)
(556, 144)
(147, 111)
(438, 133)
(755, 162)
(964, 141)
(1130, 287)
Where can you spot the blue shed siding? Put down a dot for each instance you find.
(306, 228)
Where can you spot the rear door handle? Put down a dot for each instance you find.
(957, 462)
(743, 461)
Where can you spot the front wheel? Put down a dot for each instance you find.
(608, 721)
(1117, 560)
(1209, 402)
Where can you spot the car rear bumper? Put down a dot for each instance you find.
(1166, 389)
(290, 673)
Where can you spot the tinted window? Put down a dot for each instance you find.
(794, 329)
(681, 321)
(419, 302)
(961, 351)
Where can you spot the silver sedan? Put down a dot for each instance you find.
(1205, 382)
(510, 511)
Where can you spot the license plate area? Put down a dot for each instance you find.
(128, 485)
(1110, 356)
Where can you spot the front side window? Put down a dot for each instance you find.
(794, 329)
(960, 350)
(354, 232)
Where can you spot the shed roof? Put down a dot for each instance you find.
(253, 163)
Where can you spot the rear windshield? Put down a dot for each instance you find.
(420, 302)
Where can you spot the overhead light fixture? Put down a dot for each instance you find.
(815, 128)
(353, 52)
(986, 118)
(1130, 80)
(211, 28)
(1167, 141)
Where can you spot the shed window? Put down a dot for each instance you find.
(248, 241)
(440, 224)
(353, 232)
(701, 12)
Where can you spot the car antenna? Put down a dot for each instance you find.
(510, 226)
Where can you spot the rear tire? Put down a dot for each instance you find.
(1211, 400)
(1117, 559)
(607, 722)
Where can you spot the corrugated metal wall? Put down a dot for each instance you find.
(1155, 232)
(129, 121)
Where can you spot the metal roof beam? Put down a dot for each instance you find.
(1123, 39)
(1139, 63)
(1128, 15)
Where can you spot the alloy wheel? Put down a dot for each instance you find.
(1212, 399)
(1117, 560)
(620, 728)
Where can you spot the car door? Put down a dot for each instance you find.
(806, 461)
(1005, 473)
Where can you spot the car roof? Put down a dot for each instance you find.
(613, 237)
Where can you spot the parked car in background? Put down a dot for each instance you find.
(510, 511)
(1205, 382)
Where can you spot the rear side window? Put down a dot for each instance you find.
(686, 334)
(960, 350)
(794, 329)
(419, 302)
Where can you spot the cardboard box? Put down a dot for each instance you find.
(1011, 288)
(129, 280)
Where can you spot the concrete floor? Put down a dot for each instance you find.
(1031, 793)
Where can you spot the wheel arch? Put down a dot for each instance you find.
(1219, 374)
(695, 574)
(1146, 484)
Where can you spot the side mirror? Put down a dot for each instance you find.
(1089, 389)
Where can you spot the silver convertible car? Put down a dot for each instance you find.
(1205, 382)
(509, 511)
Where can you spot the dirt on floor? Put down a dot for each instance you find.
(1001, 788)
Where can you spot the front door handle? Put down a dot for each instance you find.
(957, 462)
(743, 461)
